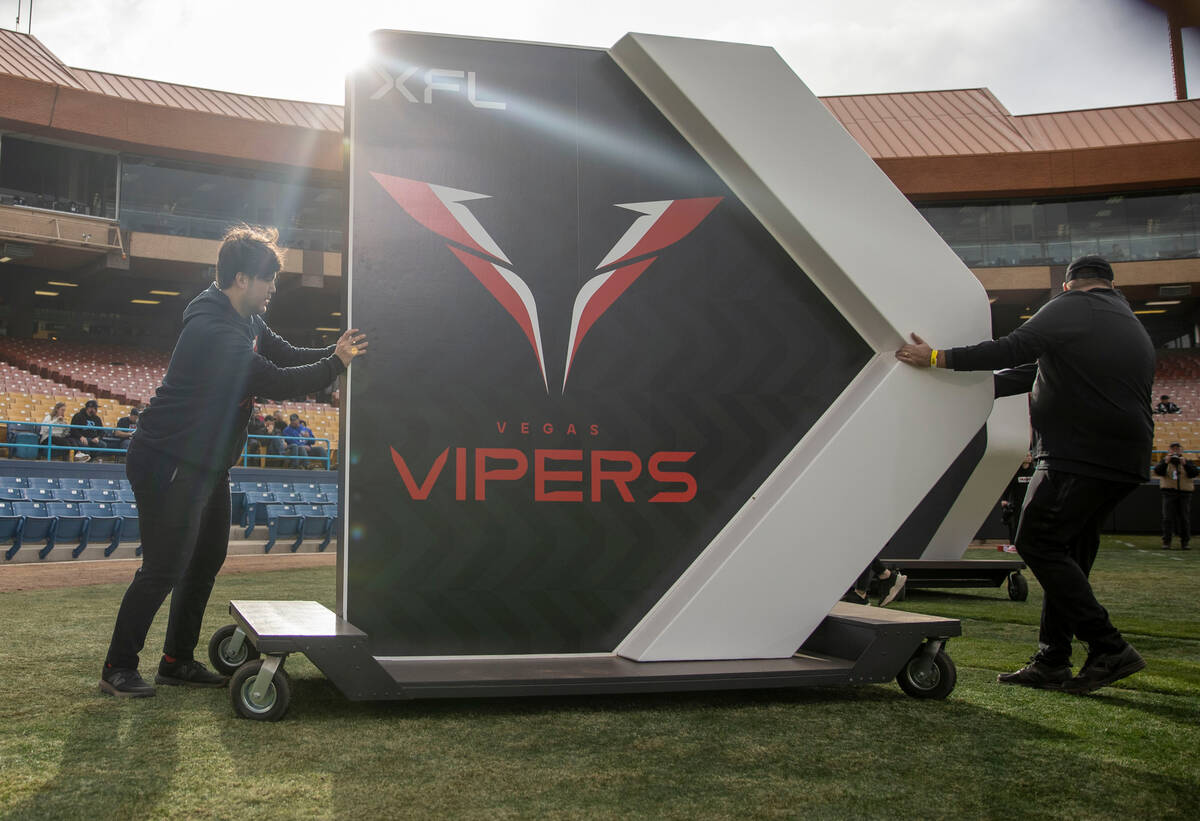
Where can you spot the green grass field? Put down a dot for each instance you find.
(989, 751)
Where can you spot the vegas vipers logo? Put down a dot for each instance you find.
(442, 210)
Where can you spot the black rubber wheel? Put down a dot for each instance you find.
(223, 661)
(936, 682)
(274, 704)
(1018, 586)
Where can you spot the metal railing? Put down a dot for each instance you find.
(289, 452)
(292, 453)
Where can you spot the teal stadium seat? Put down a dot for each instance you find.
(72, 525)
(130, 530)
(282, 520)
(104, 524)
(10, 528)
(38, 525)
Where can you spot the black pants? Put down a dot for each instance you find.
(1058, 538)
(1177, 516)
(873, 570)
(183, 514)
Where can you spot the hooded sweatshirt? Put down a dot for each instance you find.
(221, 362)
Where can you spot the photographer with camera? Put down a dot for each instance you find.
(1175, 474)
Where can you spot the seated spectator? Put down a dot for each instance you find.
(255, 427)
(295, 440)
(81, 437)
(1165, 405)
(129, 423)
(59, 437)
(317, 452)
(276, 447)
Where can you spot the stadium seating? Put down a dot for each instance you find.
(104, 524)
(80, 512)
(282, 520)
(1177, 374)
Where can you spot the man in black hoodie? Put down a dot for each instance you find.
(188, 438)
(1090, 409)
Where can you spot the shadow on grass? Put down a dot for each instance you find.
(117, 762)
(820, 751)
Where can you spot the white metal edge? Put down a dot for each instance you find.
(762, 586)
(1007, 444)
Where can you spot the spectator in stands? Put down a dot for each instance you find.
(128, 425)
(314, 450)
(87, 417)
(1176, 473)
(1093, 365)
(257, 426)
(188, 438)
(297, 443)
(59, 437)
(1165, 405)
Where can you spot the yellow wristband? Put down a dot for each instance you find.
(933, 358)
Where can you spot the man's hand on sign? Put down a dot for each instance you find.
(351, 344)
(917, 353)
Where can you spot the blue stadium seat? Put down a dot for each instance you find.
(314, 498)
(82, 484)
(237, 505)
(43, 481)
(102, 495)
(254, 487)
(305, 487)
(279, 487)
(41, 494)
(24, 445)
(126, 496)
(72, 525)
(329, 489)
(104, 524)
(38, 524)
(72, 494)
(282, 520)
(318, 523)
(256, 509)
(130, 530)
(108, 484)
(13, 481)
(10, 528)
(12, 494)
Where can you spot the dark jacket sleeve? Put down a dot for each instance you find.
(263, 377)
(268, 379)
(278, 350)
(1013, 381)
(1191, 470)
(1161, 468)
(1058, 320)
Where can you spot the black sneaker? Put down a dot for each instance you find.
(890, 587)
(1102, 669)
(854, 598)
(1038, 674)
(188, 674)
(124, 682)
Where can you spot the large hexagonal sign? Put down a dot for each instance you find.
(631, 386)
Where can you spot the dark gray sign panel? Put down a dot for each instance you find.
(586, 353)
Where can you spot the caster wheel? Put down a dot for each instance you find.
(223, 660)
(919, 679)
(1018, 586)
(274, 702)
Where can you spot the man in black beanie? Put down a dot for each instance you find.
(1090, 365)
